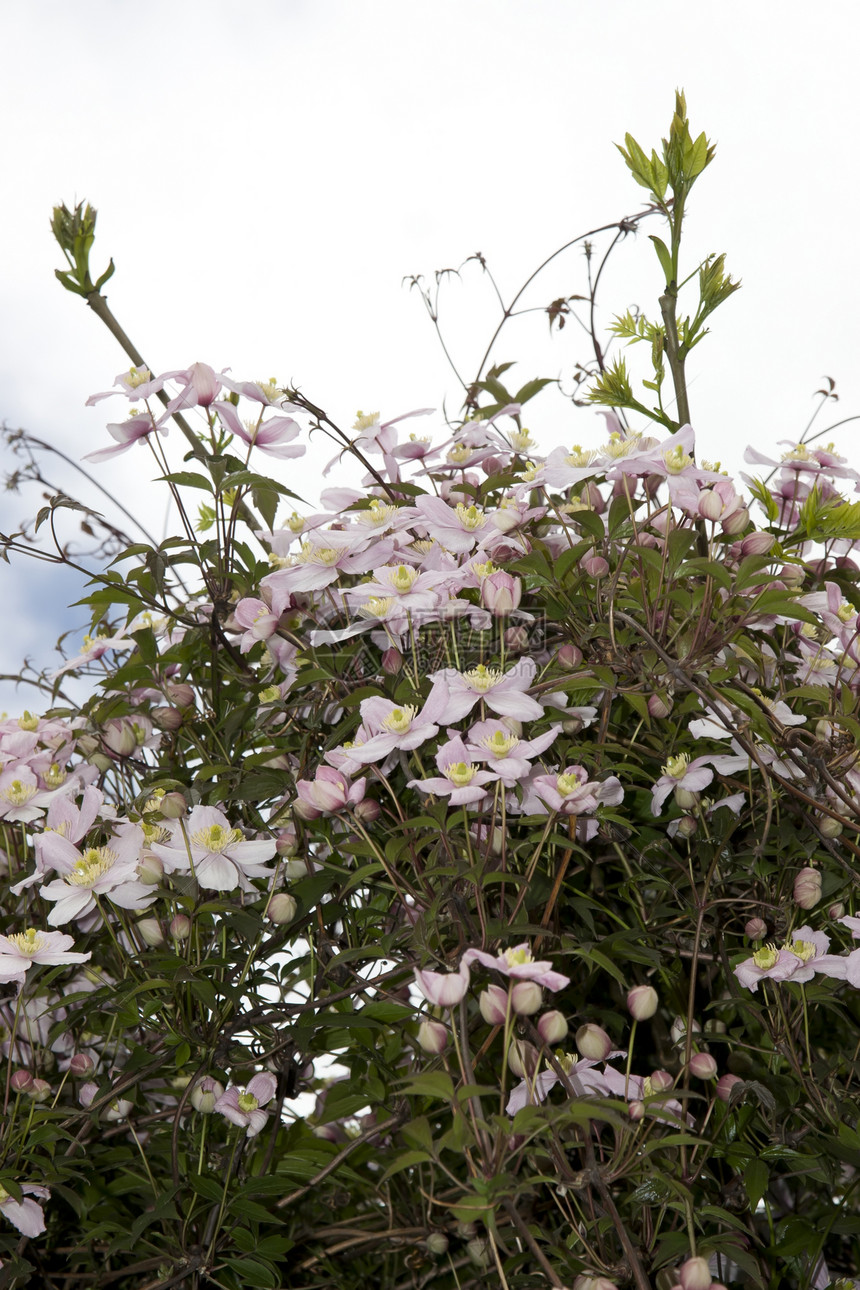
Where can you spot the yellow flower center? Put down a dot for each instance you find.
(579, 457)
(55, 777)
(804, 950)
(460, 774)
(377, 607)
(799, 452)
(844, 613)
(521, 440)
(216, 838)
(567, 783)
(528, 473)
(94, 862)
(500, 744)
(676, 767)
(364, 420)
(17, 793)
(399, 720)
(138, 376)
(28, 722)
(29, 942)
(518, 957)
(377, 514)
(677, 460)
(247, 1102)
(482, 678)
(270, 388)
(295, 523)
(403, 578)
(459, 453)
(471, 517)
(484, 570)
(618, 447)
(766, 957)
(318, 555)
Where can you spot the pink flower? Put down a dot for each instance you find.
(136, 383)
(518, 963)
(680, 772)
(459, 780)
(583, 1078)
(502, 692)
(242, 1106)
(25, 1214)
(798, 961)
(506, 754)
(19, 952)
(390, 726)
(501, 593)
(217, 855)
(256, 619)
(274, 436)
(127, 433)
(443, 989)
(330, 792)
(571, 793)
(99, 871)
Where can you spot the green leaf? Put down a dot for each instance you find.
(664, 256)
(755, 1179)
(406, 1160)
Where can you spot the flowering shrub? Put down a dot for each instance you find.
(374, 807)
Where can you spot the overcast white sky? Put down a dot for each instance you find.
(266, 173)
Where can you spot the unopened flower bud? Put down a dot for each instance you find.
(552, 1027)
(82, 1065)
(695, 1275)
(594, 566)
(478, 1252)
(150, 870)
(687, 826)
(642, 1002)
(304, 811)
(516, 639)
(287, 844)
(493, 1003)
(437, 1243)
(367, 811)
(180, 694)
(757, 544)
(836, 910)
(725, 1084)
(791, 575)
(39, 1090)
(173, 806)
(659, 705)
(685, 798)
(205, 1094)
(593, 1042)
(526, 998)
(569, 657)
(21, 1082)
(522, 1058)
(661, 1081)
(150, 932)
(756, 929)
(587, 1281)
(119, 738)
(501, 593)
(166, 718)
(392, 661)
(807, 888)
(736, 522)
(432, 1036)
(636, 1109)
(180, 927)
(828, 827)
(281, 908)
(703, 1066)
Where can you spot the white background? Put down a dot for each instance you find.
(267, 173)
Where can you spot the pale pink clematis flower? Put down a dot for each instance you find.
(136, 383)
(25, 1214)
(443, 989)
(330, 792)
(22, 950)
(506, 754)
(502, 692)
(798, 961)
(585, 1080)
(680, 772)
(111, 871)
(219, 856)
(256, 620)
(571, 792)
(274, 436)
(459, 780)
(243, 1106)
(519, 964)
(127, 433)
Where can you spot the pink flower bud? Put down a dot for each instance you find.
(516, 639)
(180, 927)
(569, 657)
(442, 989)
(642, 1002)
(725, 1084)
(287, 843)
(21, 1082)
(82, 1065)
(432, 1036)
(522, 1058)
(807, 888)
(368, 811)
(659, 706)
(304, 811)
(392, 661)
(703, 1066)
(792, 575)
(150, 932)
(180, 694)
(687, 826)
(661, 1081)
(552, 1027)
(757, 544)
(685, 798)
(756, 929)
(119, 737)
(493, 1003)
(593, 1042)
(526, 998)
(695, 1275)
(167, 718)
(636, 1110)
(594, 566)
(203, 383)
(736, 522)
(150, 870)
(501, 593)
(710, 505)
(205, 1094)
(281, 908)
(836, 910)
(39, 1090)
(173, 806)
(589, 1281)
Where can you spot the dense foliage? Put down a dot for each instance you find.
(453, 885)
